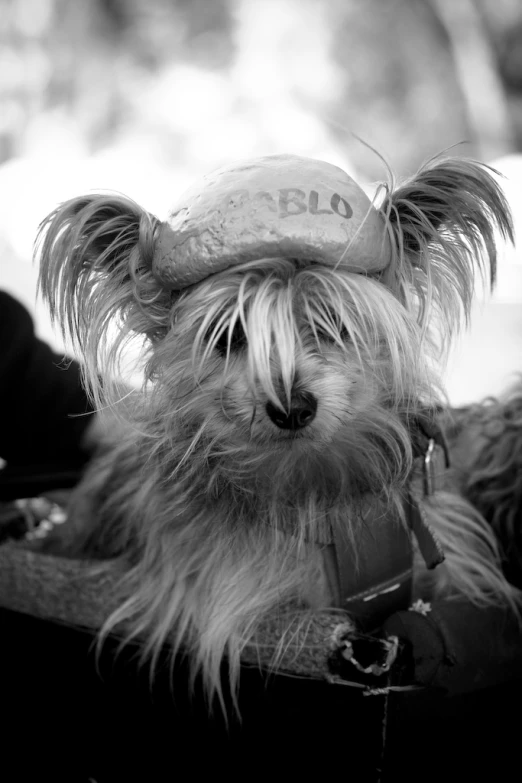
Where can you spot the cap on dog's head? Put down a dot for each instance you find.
(280, 206)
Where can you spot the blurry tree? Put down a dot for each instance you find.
(78, 69)
(478, 76)
(408, 76)
(420, 77)
(503, 20)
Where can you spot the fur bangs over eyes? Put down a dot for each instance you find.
(272, 312)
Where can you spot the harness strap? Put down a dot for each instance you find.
(427, 478)
(371, 582)
(374, 580)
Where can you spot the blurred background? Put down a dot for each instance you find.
(143, 96)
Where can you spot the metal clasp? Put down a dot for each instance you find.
(429, 469)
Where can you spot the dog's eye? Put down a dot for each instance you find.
(238, 339)
(329, 336)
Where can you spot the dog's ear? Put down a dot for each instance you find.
(442, 225)
(95, 255)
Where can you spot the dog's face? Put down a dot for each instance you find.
(276, 367)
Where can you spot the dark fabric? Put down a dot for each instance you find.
(459, 647)
(72, 720)
(40, 395)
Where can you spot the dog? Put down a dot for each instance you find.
(292, 328)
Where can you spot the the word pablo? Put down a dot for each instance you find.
(287, 202)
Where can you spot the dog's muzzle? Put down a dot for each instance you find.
(301, 413)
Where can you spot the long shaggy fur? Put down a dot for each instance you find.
(486, 440)
(443, 221)
(219, 515)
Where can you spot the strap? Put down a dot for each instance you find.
(376, 581)
(427, 478)
(429, 545)
(373, 582)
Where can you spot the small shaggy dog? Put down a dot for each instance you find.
(274, 455)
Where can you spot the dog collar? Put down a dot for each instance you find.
(279, 206)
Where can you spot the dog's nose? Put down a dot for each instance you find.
(303, 408)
